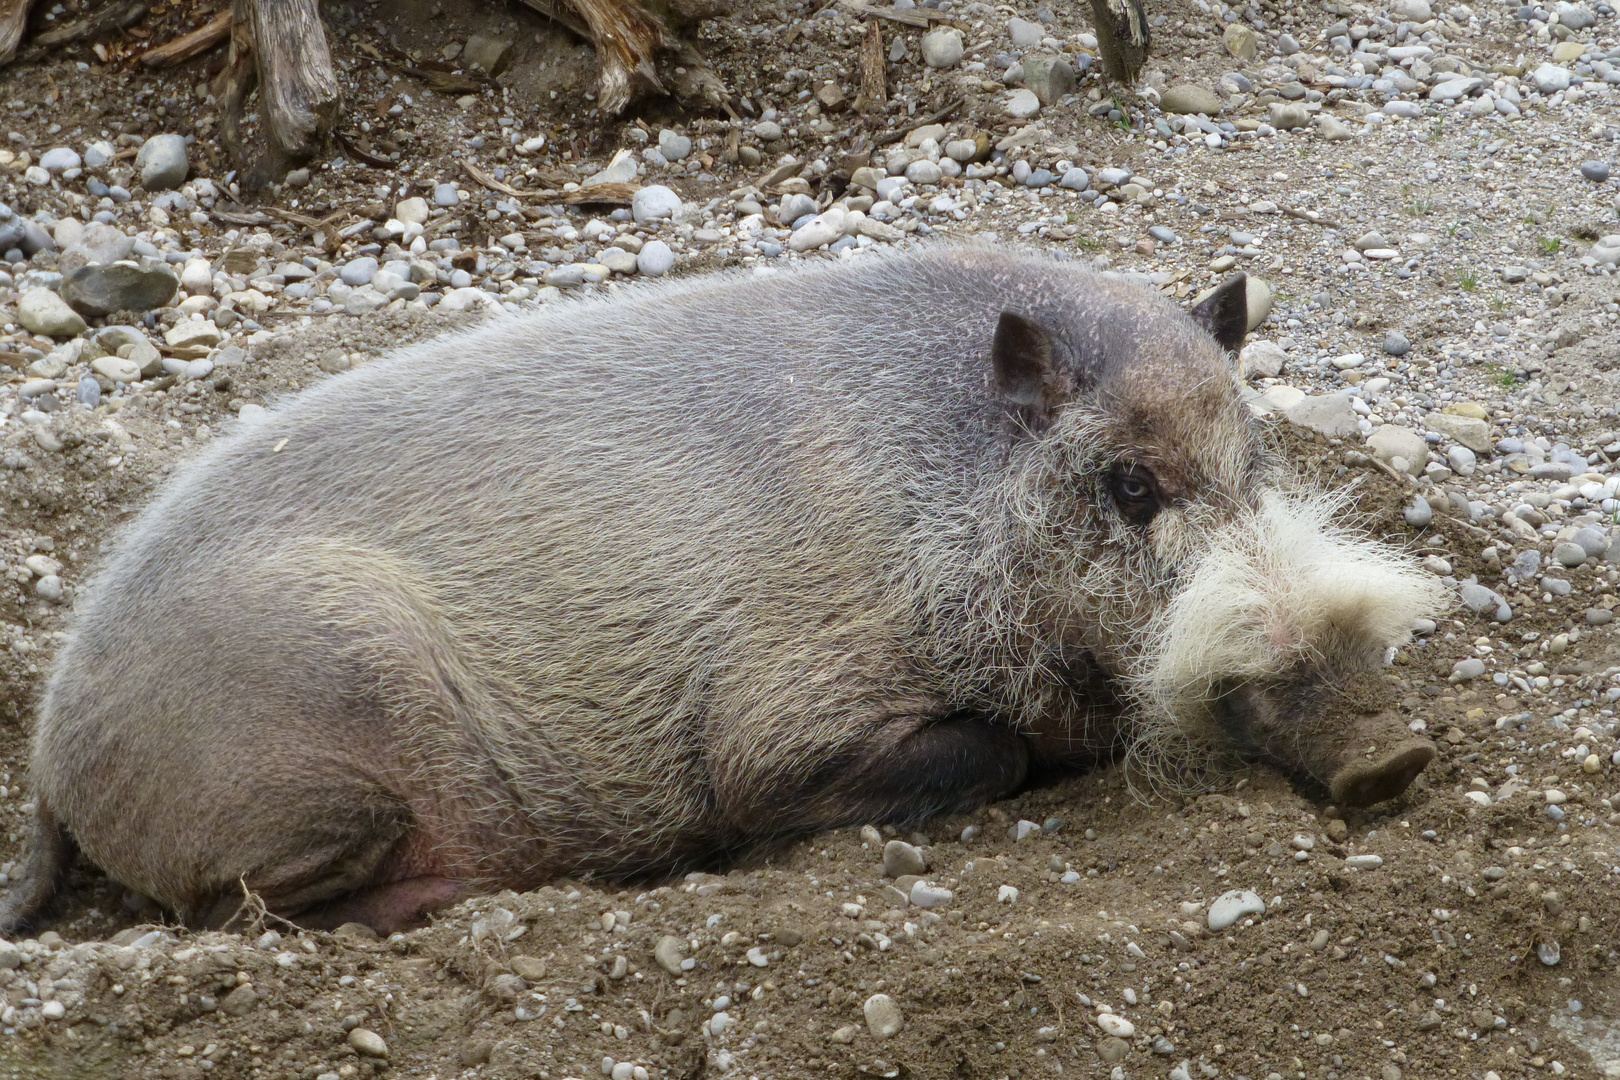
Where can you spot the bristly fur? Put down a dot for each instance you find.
(631, 585)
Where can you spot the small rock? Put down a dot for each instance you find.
(1262, 359)
(1592, 539)
(1595, 171)
(770, 130)
(43, 312)
(1417, 11)
(95, 291)
(446, 195)
(1287, 117)
(1419, 514)
(929, 896)
(489, 53)
(59, 159)
(653, 202)
(1023, 104)
(162, 162)
(239, 1002)
(670, 952)
(655, 259)
(98, 154)
(1393, 441)
(1471, 668)
(412, 211)
(1567, 554)
(1481, 600)
(883, 1016)
(942, 48)
(1025, 34)
(1548, 953)
(1471, 432)
(1550, 78)
(621, 170)
(1327, 414)
(1191, 98)
(1396, 344)
(357, 272)
(901, 858)
(1049, 77)
(673, 145)
(1462, 460)
(1116, 1026)
(1240, 41)
(1333, 129)
(368, 1043)
(98, 245)
(1231, 906)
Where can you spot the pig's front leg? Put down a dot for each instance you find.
(903, 771)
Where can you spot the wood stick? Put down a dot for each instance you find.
(13, 20)
(874, 91)
(183, 48)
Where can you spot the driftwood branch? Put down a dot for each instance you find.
(104, 20)
(874, 90)
(280, 46)
(183, 48)
(13, 20)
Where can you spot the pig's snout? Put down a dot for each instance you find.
(1326, 733)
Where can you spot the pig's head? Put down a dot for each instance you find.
(1235, 611)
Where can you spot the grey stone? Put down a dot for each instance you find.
(1023, 104)
(1551, 78)
(1393, 441)
(1075, 179)
(1470, 431)
(446, 195)
(489, 53)
(1049, 77)
(1025, 34)
(1568, 554)
(99, 244)
(1263, 359)
(1462, 460)
(1327, 414)
(1593, 540)
(1420, 513)
(1396, 344)
(1471, 668)
(95, 291)
(1574, 16)
(1287, 117)
(42, 312)
(901, 858)
(673, 145)
(98, 154)
(1231, 906)
(1595, 171)
(923, 171)
(1409, 109)
(655, 259)
(59, 159)
(1191, 98)
(883, 1016)
(357, 272)
(653, 202)
(162, 162)
(1483, 601)
(942, 48)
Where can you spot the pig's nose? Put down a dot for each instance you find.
(1385, 771)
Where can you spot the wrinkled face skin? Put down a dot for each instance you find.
(1235, 613)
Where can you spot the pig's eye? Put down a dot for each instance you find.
(1136, 492)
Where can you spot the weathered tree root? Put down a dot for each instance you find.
(280, 46)
(630, 34)
(13, 20)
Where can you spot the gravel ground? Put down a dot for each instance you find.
(1426, 193)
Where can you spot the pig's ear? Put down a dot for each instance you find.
(1025, 360)
(1225, 312)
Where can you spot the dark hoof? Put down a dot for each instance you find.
(1372, 780)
